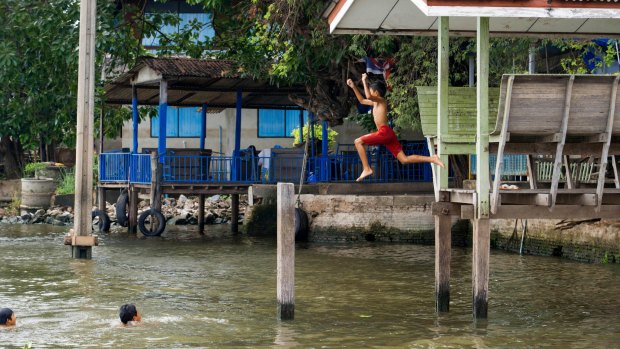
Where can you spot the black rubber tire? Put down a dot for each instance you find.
(161, 222)
(104, 220)
(301, 225)
(121, 208)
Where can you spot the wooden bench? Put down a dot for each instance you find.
(562, 116)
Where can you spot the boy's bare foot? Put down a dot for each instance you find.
(364, 174)
(437, 161)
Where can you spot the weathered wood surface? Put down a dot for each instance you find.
(443, 252)
(538, 105)
(286, 251)
(480, 268)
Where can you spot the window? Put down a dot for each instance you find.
(279, 122)
(187, 14)
(180, 122)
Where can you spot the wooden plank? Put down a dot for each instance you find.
(502, 143)
(570, 180)
(156, 171)
(531, 172)
(431, 150)
(557, 165)
(482, 125)
(443, 79)
(286, 251)
(605, 151)
(614, 165)
(443, 252)
(480, 269)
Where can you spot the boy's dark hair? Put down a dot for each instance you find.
(127, 312)
(5, 315)
(378, 86)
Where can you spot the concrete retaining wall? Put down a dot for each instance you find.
(408, 218)
(10, 189)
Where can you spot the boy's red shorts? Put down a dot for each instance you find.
(385, 136)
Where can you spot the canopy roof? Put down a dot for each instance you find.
(537, 18)
(193, 82)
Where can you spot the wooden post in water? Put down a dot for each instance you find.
(482, 236)
(443, 223)
(480, 268)
(101, 190)
(133, 209)
(82, 240)
(234, 219)
(286, 251)
(201, 214)
(443, 254)
(155, 188)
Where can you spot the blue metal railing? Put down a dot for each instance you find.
(343, 167)
(140, 171)
(515, 165)
(114, 167)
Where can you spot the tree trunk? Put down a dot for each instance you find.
(11, 153)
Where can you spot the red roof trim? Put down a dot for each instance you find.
(335, 11)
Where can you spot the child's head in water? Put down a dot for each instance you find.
(7, 317)
(128, 312)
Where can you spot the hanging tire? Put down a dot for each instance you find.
(121, 208)
(104, 220)
(158, 228)
(301, 225)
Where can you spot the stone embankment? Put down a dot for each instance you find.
(181, 211)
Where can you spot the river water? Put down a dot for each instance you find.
(219, 291)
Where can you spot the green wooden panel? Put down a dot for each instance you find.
(461, 110)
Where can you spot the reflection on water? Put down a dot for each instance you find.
(219, 291)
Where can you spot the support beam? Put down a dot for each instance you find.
(499, 164)
(443, 65)
(84, 130)
(163, 112)
(312, 135)
(156, 168)
(135, 118)
(532, 176)
(101, 131)
(605, 151)
(234, 216)
(480, 267)
(443, 252)
(559, 152)
(201, 214)
(203, 126)
(482, 124)
(286, 251)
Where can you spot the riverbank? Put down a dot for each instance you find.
(181, 211)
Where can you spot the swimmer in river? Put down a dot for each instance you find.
(129, 314)
(7, 317)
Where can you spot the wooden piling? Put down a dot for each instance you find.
(443, 252)
(480, 267)
(133, 210)
(101, 198)
(84, 128)
(201, 214)
(155, 182)
(234, 219)
(286, 251)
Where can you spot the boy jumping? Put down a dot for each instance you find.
(384, 135)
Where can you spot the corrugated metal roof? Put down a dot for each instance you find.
(193, 82)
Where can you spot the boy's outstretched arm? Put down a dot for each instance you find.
(359, 96)
(365, 83)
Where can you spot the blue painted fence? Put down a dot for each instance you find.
(345, 166)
